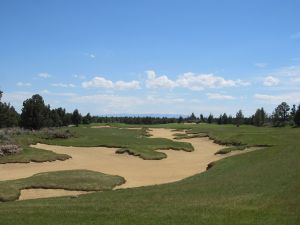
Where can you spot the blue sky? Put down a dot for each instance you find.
(167, 57)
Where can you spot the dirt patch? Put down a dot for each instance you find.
(137, 172)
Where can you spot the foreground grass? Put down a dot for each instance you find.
(257, 188)
(75, 180)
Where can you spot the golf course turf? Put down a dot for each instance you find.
(260, 187)
(81, 180)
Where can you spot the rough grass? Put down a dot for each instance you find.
(24, 138)
(230, 149)
(33, 155)
(256, 188)
(75, 180)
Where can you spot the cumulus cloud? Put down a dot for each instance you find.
(276, 99)
(21, 84)
(63, 85)
(218, 96)
(122, 85)
(101, 82)
(154, 81)
(44, 75)
(191, 81)
(271, 81)
(201, 81)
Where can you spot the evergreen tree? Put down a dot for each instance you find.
(297, 116)
(259, 117)
(224, 119)
(87, 119)
(76, 117)
(202, 120)
(239, 118)
(180, 119)
(34, 112)
(210, 118)
(281, 114)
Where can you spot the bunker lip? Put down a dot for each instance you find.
(136, 171)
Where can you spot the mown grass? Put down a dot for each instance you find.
(256, 188)
(135, 142)
(75, 180)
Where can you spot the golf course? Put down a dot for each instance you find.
(150, 112)
(99, 184)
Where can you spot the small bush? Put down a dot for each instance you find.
(55, 134)
(9, 149)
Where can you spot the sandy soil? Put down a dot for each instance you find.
(47, 193)
(137, 172)
(105, 126)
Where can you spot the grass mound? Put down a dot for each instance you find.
(75, 180)
(33, 155)
(230, 149)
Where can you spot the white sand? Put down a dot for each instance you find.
(137, 172)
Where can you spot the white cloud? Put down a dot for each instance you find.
(219, 96)
(21, 84)
(201, 81)
(101, 82)
(122, 85)
(261, 65)
(92, 56)
(44, 75)
(191, 81)
(63, 85)
(276, 99)
(295, 36)
(166, 100)
(154, 81)
(271, 81)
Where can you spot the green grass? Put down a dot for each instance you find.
(230, 149)
(256, 188)
(75, 180)
(135, 142)
(28, 154)
(33, 155)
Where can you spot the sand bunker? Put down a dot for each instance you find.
(46, 193)
(137, 172)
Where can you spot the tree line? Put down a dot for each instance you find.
(36, 114)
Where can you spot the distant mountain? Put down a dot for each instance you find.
(145, 115)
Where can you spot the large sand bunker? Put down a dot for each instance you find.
(137, 172)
